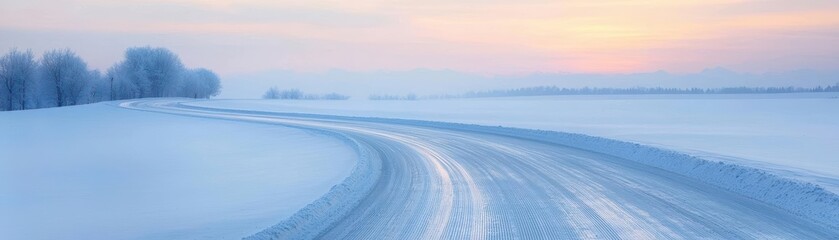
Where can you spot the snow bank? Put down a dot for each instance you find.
(800, 198)
(321, 214)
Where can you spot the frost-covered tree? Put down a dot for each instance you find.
(291, 94)
(296, 94)
(120, 83)
(334, 96)
(210, 81)
(199, 83)
(147, 72)
(97, 90)
(272, 93)
(17, 77)
(65, 75)
(62, 78)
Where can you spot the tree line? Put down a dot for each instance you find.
(296, 94)
(383, 97)
(554, 90)
(62, 78)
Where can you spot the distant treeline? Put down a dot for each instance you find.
(62, 78)
(296, 94)
(553, 90)
(409, 96)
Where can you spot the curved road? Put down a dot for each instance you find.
(449, 184)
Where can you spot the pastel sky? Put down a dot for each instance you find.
(484, 37)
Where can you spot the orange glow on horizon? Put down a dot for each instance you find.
(567, 36)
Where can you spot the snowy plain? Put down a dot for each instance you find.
(174, 178)
(793, 135)
(103, 172)
(461, 194)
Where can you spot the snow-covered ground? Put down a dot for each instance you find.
(219, 169)
(103, 172)
(794, 135)
(462, 181)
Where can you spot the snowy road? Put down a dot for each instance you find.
(442, 183)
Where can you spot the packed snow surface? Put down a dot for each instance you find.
(794, 135)
(100, 171)
(456, 181)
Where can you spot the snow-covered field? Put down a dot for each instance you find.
(180, 168)
(460, 181)
(793, 135)
(104, 172)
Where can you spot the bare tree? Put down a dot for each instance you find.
(17, 73)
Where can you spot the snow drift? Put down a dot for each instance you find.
(309, 222)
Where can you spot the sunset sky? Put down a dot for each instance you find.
(483, 37)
